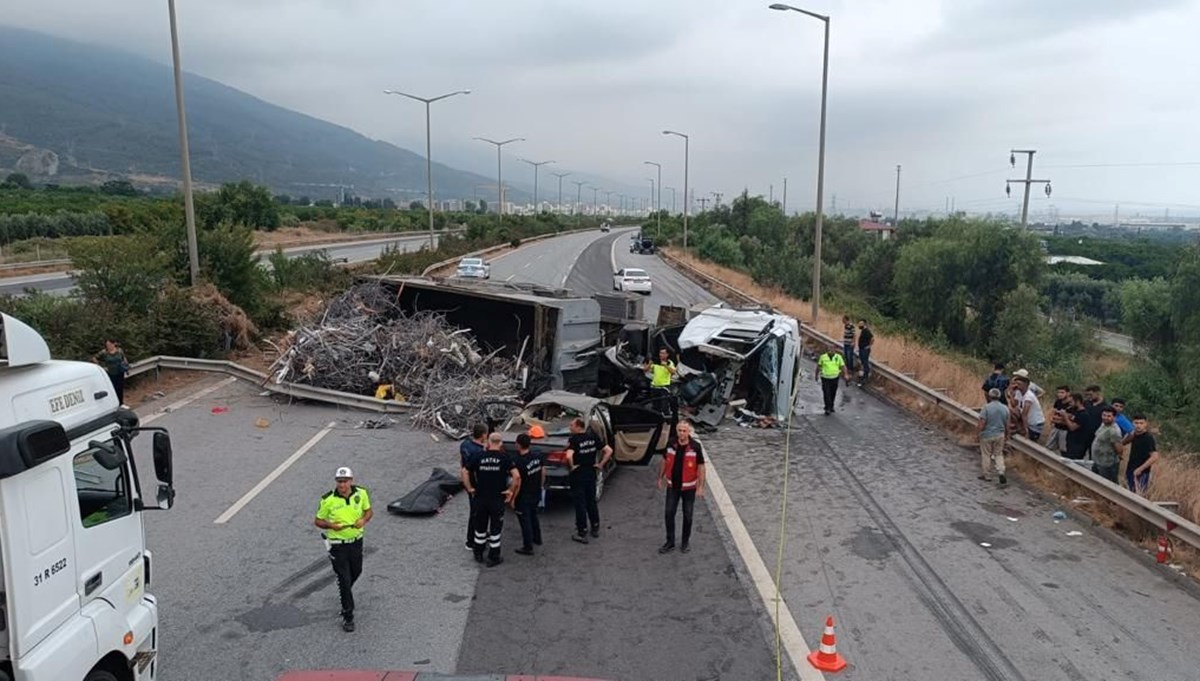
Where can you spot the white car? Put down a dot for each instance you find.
(631, 279)
(473, 268)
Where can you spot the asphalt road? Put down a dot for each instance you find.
(62, 283)
(885, 530)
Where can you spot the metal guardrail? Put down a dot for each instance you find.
(498, 247)
(35, 263)
(293, 390)
(1171, 523)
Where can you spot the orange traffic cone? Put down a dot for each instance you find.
(826, 657)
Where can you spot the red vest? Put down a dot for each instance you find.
(691, 469)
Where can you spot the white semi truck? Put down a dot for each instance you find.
(72, 542)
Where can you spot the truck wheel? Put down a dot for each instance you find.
(100, 675)
(600, 485)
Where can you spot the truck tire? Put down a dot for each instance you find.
(100, 675)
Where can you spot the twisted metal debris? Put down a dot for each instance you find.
(364, 340)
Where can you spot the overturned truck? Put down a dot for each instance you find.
(555, 334)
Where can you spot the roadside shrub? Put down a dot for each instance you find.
(126, 271)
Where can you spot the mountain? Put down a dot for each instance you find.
(74, 113)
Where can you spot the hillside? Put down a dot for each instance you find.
(78, 113)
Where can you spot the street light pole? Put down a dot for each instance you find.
(658, 201)
(428, 147)
(560, 177)
(595, 200)
(896, 210)
(189, 208)
(686, 151)
(578, 195)
(816, 295)
(672, 200)
(500, 172)
(536, 165)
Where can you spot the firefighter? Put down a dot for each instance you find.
(466, 450)
(342, 514)
(587, 457)
(683, 471)
(492, 479)
(533, 480)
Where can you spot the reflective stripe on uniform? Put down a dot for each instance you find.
(831, 365)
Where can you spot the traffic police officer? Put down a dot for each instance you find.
(343, 513)
(831, 366)
(492, 479)
(662, 371)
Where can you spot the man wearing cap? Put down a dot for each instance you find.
(994, 429)
(342, 514)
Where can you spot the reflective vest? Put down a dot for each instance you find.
(660, 374)
(345, 510)
(692, 460)
(831, 365)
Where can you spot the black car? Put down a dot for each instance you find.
(644, 246)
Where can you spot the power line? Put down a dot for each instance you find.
(1163, 164)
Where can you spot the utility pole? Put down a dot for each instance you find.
(189, 209)
(896, 211)
(1028, 181)
(717, 202)
(703, 203)
(560, 176)
(536, 166)
(595, 201)
(771, 195)
(784, 205)
(608, 202)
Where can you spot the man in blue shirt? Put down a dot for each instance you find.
(1122, 421)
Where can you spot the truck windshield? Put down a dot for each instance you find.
(104, 494)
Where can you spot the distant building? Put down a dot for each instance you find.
(884, 230)
(1071, 260)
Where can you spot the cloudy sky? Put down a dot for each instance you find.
(1105, 90)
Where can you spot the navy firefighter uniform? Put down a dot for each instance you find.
(487, 477)
(533, 477)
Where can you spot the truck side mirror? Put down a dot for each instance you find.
(163, 468)
(166, 497)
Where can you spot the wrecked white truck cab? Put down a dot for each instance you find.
(750, 354)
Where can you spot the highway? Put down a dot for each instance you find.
(929, 572)
(62, 283)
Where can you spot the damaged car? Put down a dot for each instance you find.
(746, 359)
(635, 433)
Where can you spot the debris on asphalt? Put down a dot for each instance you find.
(220, 410)
(260, 422)
(1012, 519)
(375, 424)
(1081, 500)
(428, 497)
(1059, 515)
(365, 344)
(1074, 533)
(985, 545)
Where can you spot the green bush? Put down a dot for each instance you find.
(126, 271)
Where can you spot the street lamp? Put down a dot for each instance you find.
(658, 206)
(536, 165)
(500, 172)
(672, 200)
(608, 202)
(578, 195)
(816, 295)
(560, 177)
(428, 147)
(686, 144)
(189, 209)
(595, 201)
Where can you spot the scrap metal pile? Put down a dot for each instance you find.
(364, 342)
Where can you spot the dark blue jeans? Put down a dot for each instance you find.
(848, 355)
(1142, 481)
(864, 355)
(583, 492)
(531, 527)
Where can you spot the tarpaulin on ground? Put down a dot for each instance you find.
(428, 496)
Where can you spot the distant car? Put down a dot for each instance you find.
(473, 268)
(605, 227)
(642, 245)
(631, 279)
(635, 433)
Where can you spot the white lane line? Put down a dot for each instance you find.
(612, 256)
(578, 254)
(187, 400)
(790, 636)
(249, 496)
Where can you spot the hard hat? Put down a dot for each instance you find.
(536, 431)
(343, 472)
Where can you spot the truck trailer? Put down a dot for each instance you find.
(76, 568)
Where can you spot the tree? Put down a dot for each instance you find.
(483, 206)
(17, 181)
(416, 205)
(118, 188)
(244, 203)
(126, 270)
(1020, 329)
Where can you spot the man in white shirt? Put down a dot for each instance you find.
(1032, 418)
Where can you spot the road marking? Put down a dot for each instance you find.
(187, 400)
(571, 267)
(790, 636)
(279, 470)
(612, 255)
